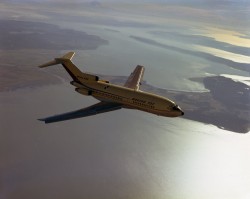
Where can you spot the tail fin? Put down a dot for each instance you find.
(73, 71)
(69, 55)
(56, 61)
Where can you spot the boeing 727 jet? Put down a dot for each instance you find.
(112, 97)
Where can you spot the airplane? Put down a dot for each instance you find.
(112, 97)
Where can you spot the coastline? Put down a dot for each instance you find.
(206, 107)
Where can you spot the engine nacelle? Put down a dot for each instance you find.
(76, 84)
(104, 81)
(83, 91)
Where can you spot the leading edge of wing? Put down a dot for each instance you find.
(98, 108)
(135, 78)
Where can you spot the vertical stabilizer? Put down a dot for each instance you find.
(73, 71)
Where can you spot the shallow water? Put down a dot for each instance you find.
(164, 68)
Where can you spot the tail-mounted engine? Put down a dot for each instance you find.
(83, 91)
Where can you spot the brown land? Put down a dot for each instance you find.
(226, 106)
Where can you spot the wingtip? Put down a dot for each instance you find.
(42, 120)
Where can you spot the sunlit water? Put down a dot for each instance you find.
(123, 154)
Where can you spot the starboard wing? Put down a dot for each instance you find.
(135, 78)
(98, 108)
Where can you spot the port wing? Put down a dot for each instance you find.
(134, 80)
(98, 108)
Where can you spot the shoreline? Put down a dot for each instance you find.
(205, 107)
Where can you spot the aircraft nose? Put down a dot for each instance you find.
(178, 109)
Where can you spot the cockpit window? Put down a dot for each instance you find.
(176, 108)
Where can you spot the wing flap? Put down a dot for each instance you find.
(135, 78)
(98, 108)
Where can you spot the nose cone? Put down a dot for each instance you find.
(178, 110)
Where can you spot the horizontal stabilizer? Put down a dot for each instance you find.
(73, 71)
(60, 60)
(51, 63)
(69, 55)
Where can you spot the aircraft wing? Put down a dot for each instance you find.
(135, 78)
(98, 108)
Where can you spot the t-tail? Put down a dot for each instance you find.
(73, 71)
